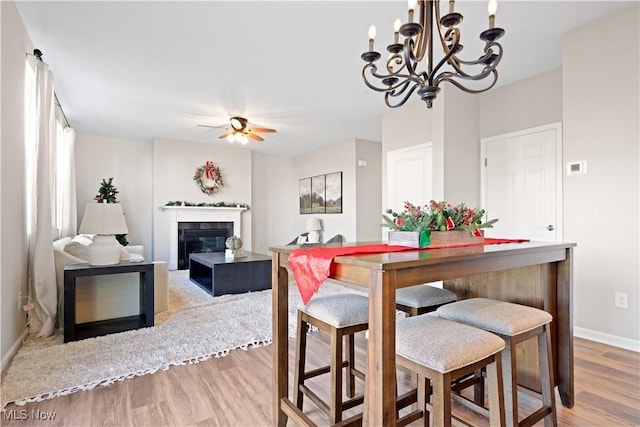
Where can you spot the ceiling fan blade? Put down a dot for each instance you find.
(224, 135)
(254, 137)
(214, 127)
(262, 130)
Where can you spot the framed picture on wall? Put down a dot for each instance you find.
(333, 192)
(305, 196)
(317, 194)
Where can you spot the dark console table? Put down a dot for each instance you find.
(218, 275)
(73, 331)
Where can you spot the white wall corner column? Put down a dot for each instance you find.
(198, 214)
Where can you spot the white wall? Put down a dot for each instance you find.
(601, 118)
(175, 163)
(274, 204)
(409, 125)
(461, 148)
(368, 200)
(338, 158)
(128, 162)
(529, 103)
(13, 240)
(452, 126)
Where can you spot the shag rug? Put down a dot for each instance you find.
(196, 327)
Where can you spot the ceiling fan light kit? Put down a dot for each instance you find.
(401, 77)
(238, 131)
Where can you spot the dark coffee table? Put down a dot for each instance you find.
(218, 275)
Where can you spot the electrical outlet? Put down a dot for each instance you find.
(622, 300)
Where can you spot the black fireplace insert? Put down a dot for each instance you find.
(201, 237)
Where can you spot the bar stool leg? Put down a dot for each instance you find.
(546, 376)
(495, 388)
(478, 388)
(423, 398)
(351, 351)
(442, 404)
(509, 368)
(301, 356)
(335, 413)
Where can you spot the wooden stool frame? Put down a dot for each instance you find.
(438, 386)
(336, 406)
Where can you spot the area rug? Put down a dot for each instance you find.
(196, 327)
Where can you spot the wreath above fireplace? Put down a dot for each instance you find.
(208, 178)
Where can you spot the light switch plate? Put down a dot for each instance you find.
(577, 168)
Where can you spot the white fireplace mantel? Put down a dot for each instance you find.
(198, 214)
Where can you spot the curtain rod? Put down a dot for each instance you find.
(38, 54)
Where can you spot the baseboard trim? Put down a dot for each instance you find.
(12, 351)
(608, 339)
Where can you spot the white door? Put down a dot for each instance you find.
(522, 183)
(409, 177)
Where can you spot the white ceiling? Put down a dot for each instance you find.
(141, 70)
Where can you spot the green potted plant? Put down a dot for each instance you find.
(107, 194)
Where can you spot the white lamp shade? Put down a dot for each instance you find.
(103, 218)
(313, 224)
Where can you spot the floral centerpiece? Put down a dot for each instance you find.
(434, 217)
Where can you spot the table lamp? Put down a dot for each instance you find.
(313, 226)
(104, 220)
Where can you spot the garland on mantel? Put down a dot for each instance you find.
(208, 205)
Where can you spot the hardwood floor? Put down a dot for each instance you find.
(236, 391)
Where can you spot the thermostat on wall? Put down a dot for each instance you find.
(577, 168)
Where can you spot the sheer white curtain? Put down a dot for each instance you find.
(65, 201)
(41, 133)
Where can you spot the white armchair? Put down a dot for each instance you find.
(108, 296)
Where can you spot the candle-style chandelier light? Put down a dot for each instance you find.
(401, 76)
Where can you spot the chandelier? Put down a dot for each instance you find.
(401, 76)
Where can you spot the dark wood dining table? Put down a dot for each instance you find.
(538, 274)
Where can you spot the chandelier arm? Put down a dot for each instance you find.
(410, 60)
(488, 53)
(384, 76)
(406, 81)
(450, 78)
(395, 74)
(463, 75)
(429, 7)
(397, 59)
(457, 62)
(393, 94)
(449, 56)
(421, 42)
(446, 36)
(486, 71)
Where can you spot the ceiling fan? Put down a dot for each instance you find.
(238, 131)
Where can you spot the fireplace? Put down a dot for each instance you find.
(199, 214)
(199, 237)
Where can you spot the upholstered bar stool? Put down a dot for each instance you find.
(421, 299)
(515, 323)
(341, 316)
(441, 351)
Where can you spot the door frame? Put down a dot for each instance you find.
(557, 127)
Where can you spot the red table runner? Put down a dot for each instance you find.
(311, 267)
